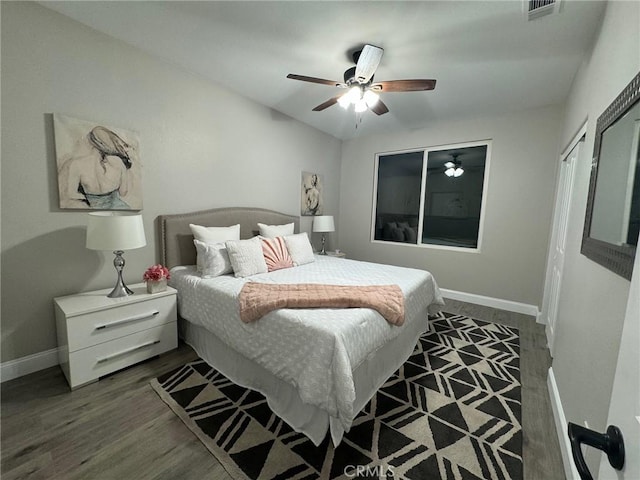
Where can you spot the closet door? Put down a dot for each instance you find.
(557, 249)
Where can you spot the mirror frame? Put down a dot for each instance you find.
(617, 258)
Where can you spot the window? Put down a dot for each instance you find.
(431, 196)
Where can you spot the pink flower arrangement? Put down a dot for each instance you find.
(157, 272)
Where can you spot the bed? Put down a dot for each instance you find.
(317, 367)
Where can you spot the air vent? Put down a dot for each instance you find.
(540, 8)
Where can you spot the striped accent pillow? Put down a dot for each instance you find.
(276, 254)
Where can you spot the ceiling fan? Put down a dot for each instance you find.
(362, 91)
(454, 168)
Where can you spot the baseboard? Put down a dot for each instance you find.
(29, 364)
(499, 303)
(560, 420)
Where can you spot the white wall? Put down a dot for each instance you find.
(593, 301)
(522, 170)
(201, 147)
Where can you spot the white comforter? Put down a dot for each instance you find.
(315, 350)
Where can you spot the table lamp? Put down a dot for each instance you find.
(116, 232)
(323, 223)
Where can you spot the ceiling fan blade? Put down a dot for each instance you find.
(379, 108)
(327, 104)
(321, 81)
(404, 85)
(368, 63)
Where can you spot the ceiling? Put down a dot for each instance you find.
(486, 57)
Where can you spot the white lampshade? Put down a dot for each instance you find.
(344, 101)
(115, 231)
(354, 94)
(360, 106)
(323, 223)
(371, 98)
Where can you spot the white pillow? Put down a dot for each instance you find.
(300, 248)
(272, 231)
(246, 257)
(213, 259)
(215, 234)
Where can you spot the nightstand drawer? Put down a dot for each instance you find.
(89, 364)
(105, 325)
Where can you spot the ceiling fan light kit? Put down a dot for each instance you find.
(454, 169)
(453, 172)
(362, 92)
(371, 98)
(359, 97)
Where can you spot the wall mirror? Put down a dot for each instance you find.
(612, 220)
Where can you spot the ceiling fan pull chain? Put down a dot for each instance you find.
(358, 119)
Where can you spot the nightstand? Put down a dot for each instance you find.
(337, 255)
(98, 335)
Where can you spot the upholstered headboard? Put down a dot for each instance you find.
(176, 240)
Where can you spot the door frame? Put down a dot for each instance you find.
(571, 472)
(562, 189)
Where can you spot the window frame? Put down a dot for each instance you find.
(423, 184)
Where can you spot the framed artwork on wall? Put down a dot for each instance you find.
(98, 166)
(311, 201)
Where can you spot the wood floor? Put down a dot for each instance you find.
(118, 428)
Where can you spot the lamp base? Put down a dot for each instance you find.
(120, 289)
(323, 251)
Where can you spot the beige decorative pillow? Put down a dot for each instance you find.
(246, 257)
(300, 248)
(213, 259)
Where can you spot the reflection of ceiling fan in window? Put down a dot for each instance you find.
(454, 168)
(362, 91)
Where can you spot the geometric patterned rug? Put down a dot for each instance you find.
(452, 411)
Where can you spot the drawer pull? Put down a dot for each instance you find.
(127, 320)
(128, 350)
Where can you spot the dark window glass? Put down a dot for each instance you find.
(398, 197)
(452, 197)
(453, 202)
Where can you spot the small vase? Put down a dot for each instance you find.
(155, 286)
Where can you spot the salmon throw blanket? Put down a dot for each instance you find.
(258, 299)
